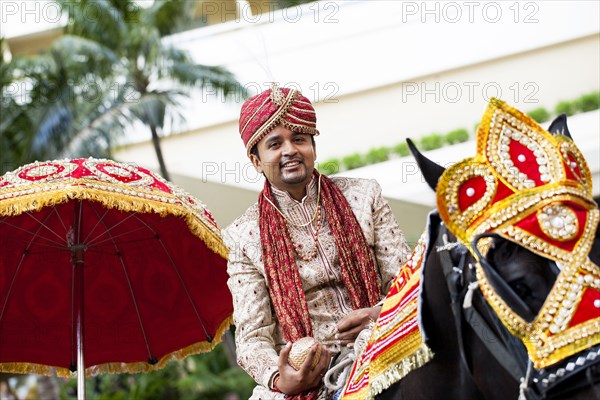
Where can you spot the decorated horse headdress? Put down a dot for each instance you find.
(535, 189)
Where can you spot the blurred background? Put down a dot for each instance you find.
(160, 84)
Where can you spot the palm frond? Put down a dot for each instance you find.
(187, 73)
(87, 52)
(149, 109)
(97, 20)
(169, 16)
(53, 131)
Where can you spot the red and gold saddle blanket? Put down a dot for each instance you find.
(397, 345)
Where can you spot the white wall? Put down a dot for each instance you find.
(393, 72)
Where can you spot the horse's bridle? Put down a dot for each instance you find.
(534, 384)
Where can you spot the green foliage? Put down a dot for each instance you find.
(588, 102)
(329, 167)
(104, 74)
(353, 161)
(566, 107)
(432, 141)
(457, 136)
(539, 115)
(401, 149)
(170, 16)
(205, 376)
(377, 155)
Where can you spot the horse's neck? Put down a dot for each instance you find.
(436, 312)
(445, 256)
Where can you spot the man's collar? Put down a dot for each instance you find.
(285, 200)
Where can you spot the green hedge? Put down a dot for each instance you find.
(401, 149)
(565, 107)
(456, 136)
(431, 142)
(354, 161)
(539, 115)
(330, 167)
(588, 102)
(585, 103)
(377, 155)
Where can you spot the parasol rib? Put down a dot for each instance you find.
(25, 252)
(151, 358)
(96, 225)
(43, 224)
(137, 311)
(107, 231)
(12, 283)
(61, 244)
(54, 211)
(187, 293)
(101, 242)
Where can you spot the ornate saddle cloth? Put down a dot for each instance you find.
(397, 345)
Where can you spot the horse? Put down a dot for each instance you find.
(476, 357)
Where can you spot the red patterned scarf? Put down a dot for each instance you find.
(285, 285)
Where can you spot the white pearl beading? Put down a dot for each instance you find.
(558, 222)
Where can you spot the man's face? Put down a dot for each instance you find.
(286, 158)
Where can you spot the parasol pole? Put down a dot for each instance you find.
(77, 250)
(80, 361)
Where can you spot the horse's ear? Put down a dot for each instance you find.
(559, 126)
(430, 170)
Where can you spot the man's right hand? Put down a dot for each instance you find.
(292, 382)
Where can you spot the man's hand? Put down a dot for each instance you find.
(292, 382)
(350, 326)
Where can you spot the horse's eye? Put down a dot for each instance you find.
(521, 289)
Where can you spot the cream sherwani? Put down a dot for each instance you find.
(258, 335)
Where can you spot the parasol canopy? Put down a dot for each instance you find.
(109, 263)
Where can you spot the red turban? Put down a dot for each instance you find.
(260, 114)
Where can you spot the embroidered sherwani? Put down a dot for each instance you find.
(258, 335)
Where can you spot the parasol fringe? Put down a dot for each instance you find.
(119, 367)
(29, 368)
(207, 232)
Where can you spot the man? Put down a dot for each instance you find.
(313, 257)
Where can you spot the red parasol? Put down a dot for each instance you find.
(106, 266)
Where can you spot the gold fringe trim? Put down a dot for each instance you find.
(398, 371)
(209, 234)
(118, 367)
(393, 374)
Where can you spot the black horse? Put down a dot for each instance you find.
(475, 355)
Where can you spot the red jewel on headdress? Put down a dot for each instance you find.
(526, 162)
(471, 191)
(588, 308)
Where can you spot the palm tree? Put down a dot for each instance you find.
(111, 68)
(51, 99)
(157, 75)
(13, 121)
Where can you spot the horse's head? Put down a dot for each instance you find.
(523, 205)
(528, 276)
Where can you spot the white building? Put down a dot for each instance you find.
(379, 72)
